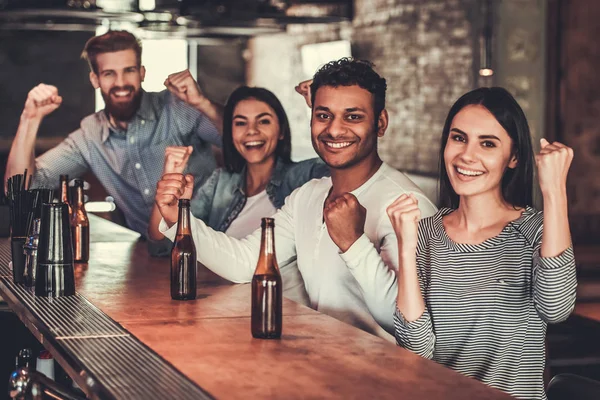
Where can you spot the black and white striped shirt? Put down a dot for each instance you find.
(487, 305)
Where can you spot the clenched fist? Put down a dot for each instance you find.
(404, 214)
(171, 188)
(304, 89)
(553, 164)
(41, 101)
(345, 219)
(184, 86)
(176, 159)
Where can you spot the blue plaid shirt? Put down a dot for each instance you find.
(129, 163)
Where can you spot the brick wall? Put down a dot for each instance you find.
(425, 51)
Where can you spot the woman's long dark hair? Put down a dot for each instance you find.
(234, 162)
(517, 183)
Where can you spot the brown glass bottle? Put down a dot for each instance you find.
(80, 226)
(266, 288)
(64, 192)
(183, 257)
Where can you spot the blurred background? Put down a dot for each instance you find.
(545, 52)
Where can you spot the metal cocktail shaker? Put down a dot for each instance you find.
(54, 275)
(30, 250)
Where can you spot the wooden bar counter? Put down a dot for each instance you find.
(588, 310)
(209, 342)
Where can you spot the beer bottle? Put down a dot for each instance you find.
(64, 192)
(80, 226)
(266, 287)
(183, 257)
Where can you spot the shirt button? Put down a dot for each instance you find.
(132, 140)
(143, 122)
(138, 165)
(146, 191)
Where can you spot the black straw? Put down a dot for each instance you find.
(25, 204)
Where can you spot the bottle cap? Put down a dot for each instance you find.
(265, 222)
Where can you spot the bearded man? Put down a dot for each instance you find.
(124, 144)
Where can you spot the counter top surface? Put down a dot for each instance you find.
(208, 340)
(589, 310)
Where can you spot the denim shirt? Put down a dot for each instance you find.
(221, 199)
(129, 163)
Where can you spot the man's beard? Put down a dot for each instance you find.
(122, 111)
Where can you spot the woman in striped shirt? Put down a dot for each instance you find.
(479, 280)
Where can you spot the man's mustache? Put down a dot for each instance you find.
(331, 138)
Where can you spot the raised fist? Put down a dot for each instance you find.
(404, 214)
(304, 89)
(553, 164)
(171, 188)
(185, 87)
(41, 101)
(176, 159)
(345, 219)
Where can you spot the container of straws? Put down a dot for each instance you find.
(25, 205)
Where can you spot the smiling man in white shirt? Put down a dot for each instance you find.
(336, 227)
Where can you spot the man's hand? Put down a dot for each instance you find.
(304, 89)
(405, 215)
(184, 86)
(171, 188)
(176, 159)
(345, 218)
(41, 101)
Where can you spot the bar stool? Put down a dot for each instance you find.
(573, 387)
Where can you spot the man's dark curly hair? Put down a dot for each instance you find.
(347, 72)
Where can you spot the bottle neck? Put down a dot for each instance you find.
(79, 196)
(64, 197)
(183, 222)
(267, 243)
(267, 261)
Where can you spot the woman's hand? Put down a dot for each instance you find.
(553, 164)
(405, 215)
(176, 159)
(304, 89)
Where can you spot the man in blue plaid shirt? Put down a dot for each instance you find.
(123, 144)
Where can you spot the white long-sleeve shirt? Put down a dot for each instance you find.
(359, 286)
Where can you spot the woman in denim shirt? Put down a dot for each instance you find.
(258, 174)
(257, 156)
(256, 151)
